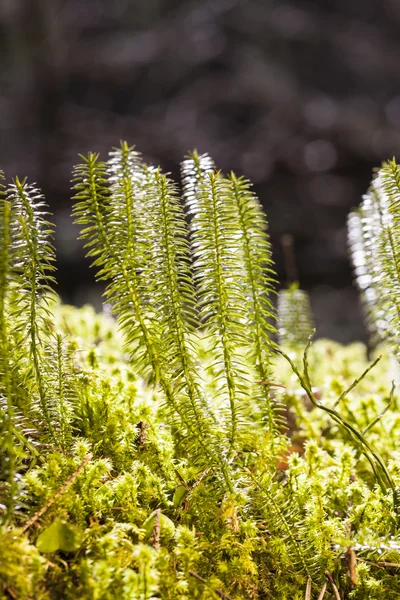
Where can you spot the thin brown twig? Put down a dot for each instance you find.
(218, 592)
(334, 588)
(308, 589)
(370, 562)
(194, 486)
(322, 592)
(352, 558)
(58, 493)
(380, 564)
(156, 534)
(200, 479)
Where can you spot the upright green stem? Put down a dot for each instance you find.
(223, 316)
(259, 318)
(34, 272)
(5, 246)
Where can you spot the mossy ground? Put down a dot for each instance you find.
(208, 545)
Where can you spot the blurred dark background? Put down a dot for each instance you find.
(301, 96)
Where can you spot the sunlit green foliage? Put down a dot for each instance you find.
(374, 237)
(171, 449)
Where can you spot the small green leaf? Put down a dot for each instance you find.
(60, 536)
(180, 494)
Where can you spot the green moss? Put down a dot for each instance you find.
(22, 568)
(175, 451)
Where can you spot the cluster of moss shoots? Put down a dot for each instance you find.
(191, 441)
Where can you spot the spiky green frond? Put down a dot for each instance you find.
(388, 183)
(377, 250)
(59, 382)
(258, 283)
(294, 317)
(360, 245)
(140, 246)
(174, 297)
(194, 169)
(390, 178)
(5, 243)
(218, 270)
(7, 448)
(26, 267)
(5, 250)
(129, 290)
(90, 209)
(246, 241)
(110, 230)
(375, 239)
(32, 268)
